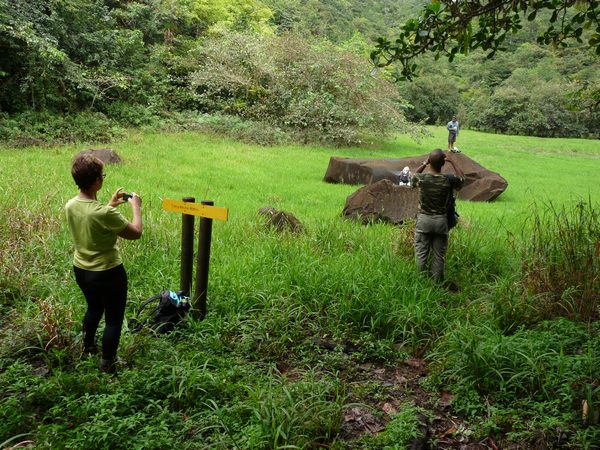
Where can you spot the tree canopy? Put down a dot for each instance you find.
(82, 69)
(449, 27)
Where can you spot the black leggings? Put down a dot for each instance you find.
(105, 293)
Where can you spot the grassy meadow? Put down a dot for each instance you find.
(305, 333)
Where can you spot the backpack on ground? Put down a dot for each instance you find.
(171, 307)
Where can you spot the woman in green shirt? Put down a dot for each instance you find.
(96, 261)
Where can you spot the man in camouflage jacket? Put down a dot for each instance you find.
(431, 231)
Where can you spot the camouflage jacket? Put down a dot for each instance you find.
(434, 190)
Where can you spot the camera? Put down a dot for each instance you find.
(126, 196)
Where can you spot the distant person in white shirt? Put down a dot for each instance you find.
(452, 134)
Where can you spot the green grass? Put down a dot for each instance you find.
(218, 383)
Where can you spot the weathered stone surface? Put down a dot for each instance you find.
(106, 155)
(481, 184)
(281, 220)
(382, 201)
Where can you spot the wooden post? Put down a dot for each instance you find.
(187, 250)
(207, 212)
(202, 265)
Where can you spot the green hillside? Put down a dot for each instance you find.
(268, 72)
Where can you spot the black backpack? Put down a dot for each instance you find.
(170, 309)
(451, 214)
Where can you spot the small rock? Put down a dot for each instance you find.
(106, 155)
(281, 220)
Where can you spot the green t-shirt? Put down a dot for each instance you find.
(94, 228)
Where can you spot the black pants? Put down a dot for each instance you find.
(105, 293)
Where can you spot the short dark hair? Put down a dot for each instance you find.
(437, 159)
(86, 169)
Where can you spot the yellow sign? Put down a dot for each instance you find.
(195, 209)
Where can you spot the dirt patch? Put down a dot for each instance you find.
(384, 390)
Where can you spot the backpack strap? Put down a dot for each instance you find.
(146, 302)
(142, 307)
(451, 192)
(451, 213)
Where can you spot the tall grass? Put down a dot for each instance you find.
(540, 371)
(306, 413)
(273, 297)
(562, 261)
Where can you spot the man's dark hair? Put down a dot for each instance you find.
(86, 169)
(437, 159)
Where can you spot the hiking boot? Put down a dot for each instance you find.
(108, 366)
(90, 350)
(451, 286)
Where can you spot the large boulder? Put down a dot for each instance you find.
(382, 201)
(481, 184)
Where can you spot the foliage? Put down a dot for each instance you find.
(131, 62)
(31, 128)
(540, 371)
(402, 430)
(137, 63)
(262, 133)
(515, 108)
(69, 55)
(562, 261)
(531, 91)
(432, 98)
(524, 363)
(317, 91)
(339, 20)
(62, 56)
(492, 95)
(305, 413)
(512, 103)
(449, 27)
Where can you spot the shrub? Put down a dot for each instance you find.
(131, 113)
(244, 130)
(434, 98)
(518, 108)
(562, 261)
(316, 90)
(556, 359)
(31, 128)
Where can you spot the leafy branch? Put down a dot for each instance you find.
(447, 27)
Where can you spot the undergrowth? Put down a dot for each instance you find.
(291, 317)
(562, 261)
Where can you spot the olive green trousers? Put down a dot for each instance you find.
(431, 242)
